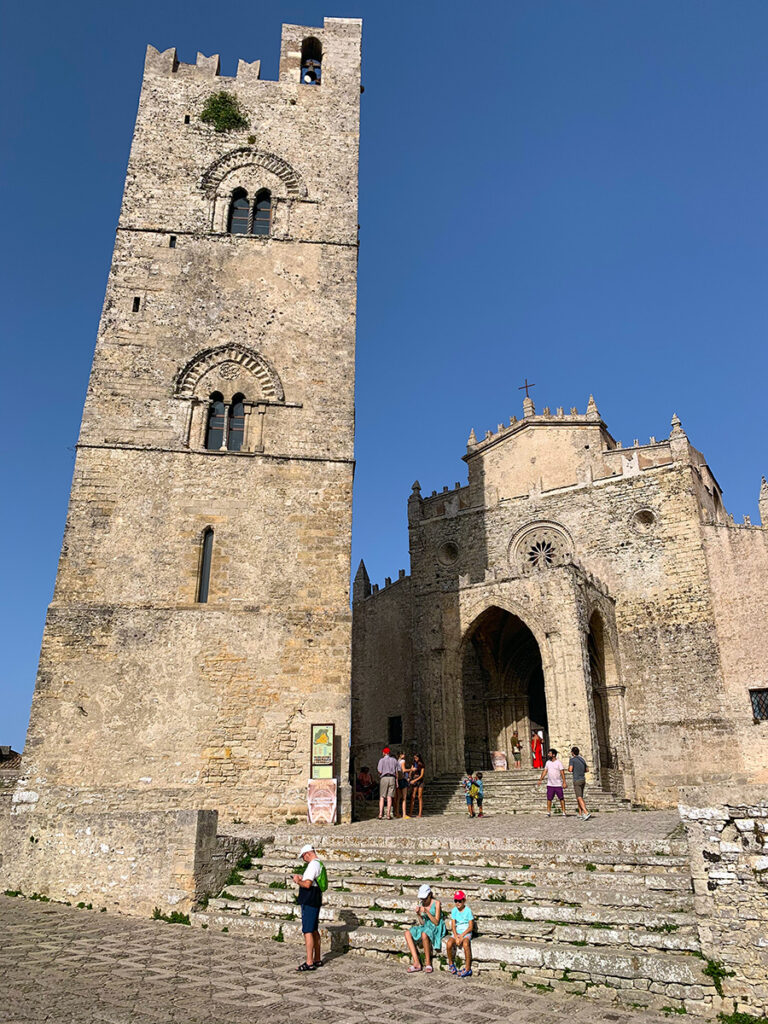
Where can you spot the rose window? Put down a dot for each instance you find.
(541, 553)
(539, 547)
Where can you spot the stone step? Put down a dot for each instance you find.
(678, 975)
(654, 877)
(376, 890)
(534, 931)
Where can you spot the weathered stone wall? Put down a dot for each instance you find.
(112, 850)
(140, 686)
(382, 683)
(728, 847)
(737, 558)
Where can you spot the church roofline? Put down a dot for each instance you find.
(546, 419)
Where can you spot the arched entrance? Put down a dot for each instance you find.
(503, 688)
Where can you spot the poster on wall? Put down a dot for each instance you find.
(499, 760)
(322, 751)
(321, 801)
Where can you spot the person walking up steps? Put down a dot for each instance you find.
(470, 791)
(555, 775)
(312, 884)
(387, 770)
(577, 766)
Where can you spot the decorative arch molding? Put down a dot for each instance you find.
(247, 156)
(190, 375)
(540, 545)
(473, 612)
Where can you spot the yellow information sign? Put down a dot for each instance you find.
(322, 751)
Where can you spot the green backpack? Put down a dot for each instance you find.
(322, 879)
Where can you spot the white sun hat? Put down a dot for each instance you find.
(424, 891)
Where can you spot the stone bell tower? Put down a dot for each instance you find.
(200, 622)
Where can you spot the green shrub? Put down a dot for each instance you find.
(740, 1018)
(223, 111)
(175, 917)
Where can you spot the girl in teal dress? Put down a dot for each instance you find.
(429, 927)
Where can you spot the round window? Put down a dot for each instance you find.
(643, 520)
(448, 553)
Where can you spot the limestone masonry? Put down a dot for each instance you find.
(200, 621)
(597, 593)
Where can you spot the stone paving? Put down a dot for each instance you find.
(62, 965)
(629, 825)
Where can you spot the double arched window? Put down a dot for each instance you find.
(248, 217)
(225, 430)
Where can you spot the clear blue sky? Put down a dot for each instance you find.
(572, 191)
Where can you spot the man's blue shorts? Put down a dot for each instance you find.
(310, 916)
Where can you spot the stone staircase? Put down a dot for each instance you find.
(511, 792)
(607, 918)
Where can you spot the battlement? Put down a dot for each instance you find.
(546, 418)
(297, 41)
(362, 587)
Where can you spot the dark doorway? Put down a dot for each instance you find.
(597, 670)
(503, 688)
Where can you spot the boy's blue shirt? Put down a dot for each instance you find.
(479, 784)
(462, 918)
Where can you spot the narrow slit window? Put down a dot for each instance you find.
(214, 434)
(395, 729)
(239, 213)
(136, 304)
(172, 242)
(262, 213)
(186, 119)
(206, 555)
(236, 426)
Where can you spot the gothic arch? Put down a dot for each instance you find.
(247, 156)
(190, 375)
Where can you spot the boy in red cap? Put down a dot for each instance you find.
(462, 925)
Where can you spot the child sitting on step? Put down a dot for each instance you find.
(462, 922)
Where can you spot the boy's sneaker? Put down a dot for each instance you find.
(466, 972)
(586, 816)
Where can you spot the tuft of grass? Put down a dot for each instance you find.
(234, 878)
(279, 937)
(499, 897)
(579, 942)
(600, 924)
(673, 1009)
(666, 927)
(341, 888)
(175, 917)
(740, 1018)
(526, 867)
(590, 867)
(494, 881)
(516, 916)
(40, 898)
(225, 929)
(291, 821)
(379, 922)
(14, 892)
(224, 112)
(278, 885)
(715, 970)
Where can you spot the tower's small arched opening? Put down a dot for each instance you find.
(503, 688)
(311, 61)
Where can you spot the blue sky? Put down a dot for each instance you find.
(570, 191)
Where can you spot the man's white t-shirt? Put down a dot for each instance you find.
(312, 871)
(554, 768)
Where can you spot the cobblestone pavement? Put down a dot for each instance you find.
(67, 966)
(629, 825)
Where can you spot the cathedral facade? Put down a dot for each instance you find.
(599, 594)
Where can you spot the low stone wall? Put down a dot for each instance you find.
(728, 848)
(129, 859)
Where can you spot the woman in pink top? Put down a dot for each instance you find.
(555, 775)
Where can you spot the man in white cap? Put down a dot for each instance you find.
(310, 899)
